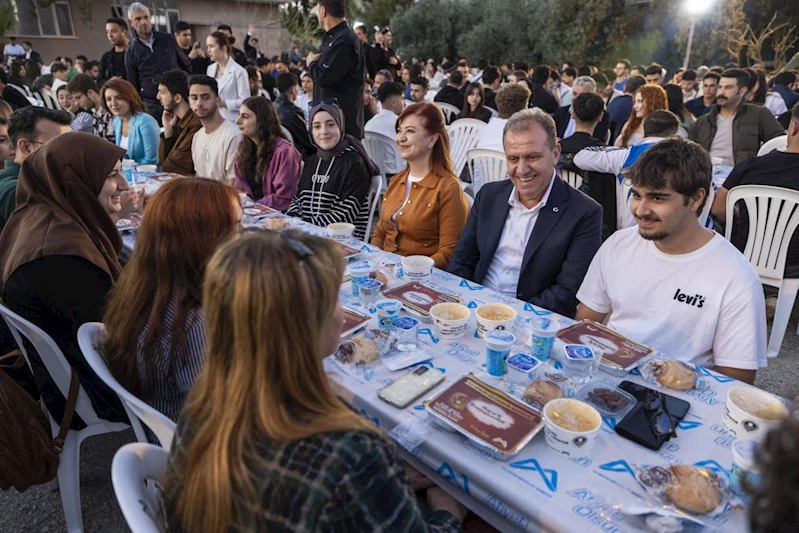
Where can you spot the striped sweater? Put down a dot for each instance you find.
(334, 190)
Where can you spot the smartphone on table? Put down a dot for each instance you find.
(654, 419)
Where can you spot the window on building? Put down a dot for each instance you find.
(54, 20)
(163, 13)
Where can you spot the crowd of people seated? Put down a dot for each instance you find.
(224, 333)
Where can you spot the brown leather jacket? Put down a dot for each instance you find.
(174, 154)
(429, 224)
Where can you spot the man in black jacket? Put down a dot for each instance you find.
(451, 94)
(291, 116)
(542, 98)
(150, 54)
(383, 57)
(113, 62)
(184, 35)
(338, 72)
(238, 53)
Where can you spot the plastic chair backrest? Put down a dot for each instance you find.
(622, 204)
(571, 177)
(90, 335)
(288, 134)
(134, 465)
(384, 152)
(469, 200)
(494, 112)
(773, 219)
(463, 136)
(373, 198)
(704, 216)
(52, 358)
(777, 143)
(449, 110)
(486, 166)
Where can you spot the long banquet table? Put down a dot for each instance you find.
(537, 490)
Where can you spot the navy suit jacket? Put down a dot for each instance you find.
(565, 238)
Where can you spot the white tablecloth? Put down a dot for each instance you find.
(537, 490)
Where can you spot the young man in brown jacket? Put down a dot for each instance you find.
(180, 123)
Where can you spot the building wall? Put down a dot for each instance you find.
(90, 39)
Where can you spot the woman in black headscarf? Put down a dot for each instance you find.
(335, 181)
(58, 253)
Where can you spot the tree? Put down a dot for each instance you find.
(748, 44)
(301, 24)
(429, 29)
(378, 12)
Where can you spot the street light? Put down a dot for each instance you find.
(695, 8)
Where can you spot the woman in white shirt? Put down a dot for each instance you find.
(231, 78)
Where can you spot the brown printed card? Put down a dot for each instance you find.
(419, 298)
(487, 414)
(353, 321)
(616, 350)
(258, 210)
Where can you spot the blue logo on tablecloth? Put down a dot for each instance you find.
(636, 372)
(710, 464)
(367, 371)
(610, 421)
(429, 333)
(618, 466)
(365, 248)
(718, 377)
(448, 473)
(374, 420)
(470, 286)
(419, 407)
(549, 476)
(688, 424)
(533, 309)
(472, 305)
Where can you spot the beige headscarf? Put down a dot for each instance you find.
(57, 209)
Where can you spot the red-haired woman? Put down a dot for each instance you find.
(135, 130)
(647, 99)
(424, 208)
(155, 344)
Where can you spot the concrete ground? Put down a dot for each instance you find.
(38, 510)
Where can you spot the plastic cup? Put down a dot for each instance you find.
(522, 370)
(579, 361)
(406, 329)
(386, 311)
(494, 316)
(571, 426)
(744, 468)
(369, 290)
(543, 337)
(451, 321)
(750, 413)
(359, 272)
(417, 268)
(340, 231)
(498, 345)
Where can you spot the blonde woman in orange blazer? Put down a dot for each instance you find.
(424, 208)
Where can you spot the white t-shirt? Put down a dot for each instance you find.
(705, 307)
(722, 141)
(123, 142)
(214, 154)
(491, 135)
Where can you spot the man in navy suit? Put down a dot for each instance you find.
(531, 237)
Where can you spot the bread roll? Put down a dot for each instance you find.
(538, 393)
(693, 489)
(675, 375)
(275, 223)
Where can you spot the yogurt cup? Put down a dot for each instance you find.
(571, 427)
(369, 290)
(543, 337)
(522, 370)
(750, 413)
(498, 345)
(386, 311)
(340, 231)
(147, 168)
(744, 468)
(580, 362)
(406, 329)
(450, 320)
(494, 316)
(359, 272)
(418, 268)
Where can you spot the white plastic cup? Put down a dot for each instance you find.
(369, 290)
(494, 316)
(451, 321)
(751, 413)
(543, 337)
(386, 310)
(744, 468)
(562, 435)
(147, 168)
(498, 345)
(579, 362)
(340, 231)
(418, 268)
(359, 272)
(406, 329)
(522, 370)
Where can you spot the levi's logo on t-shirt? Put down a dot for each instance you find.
(696, 300)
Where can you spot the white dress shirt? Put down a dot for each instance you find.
(504, 270)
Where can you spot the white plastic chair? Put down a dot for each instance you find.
(777, 143)
(288, 135)
(494, 112)
(449, 110)
(90, 335)
(571, 177)
(134, 465)
(469, 200)
(486, 166)
(61, 374)
(463, 136)
(384, 152)
(374, 199)
(773, 219)
(624, 218)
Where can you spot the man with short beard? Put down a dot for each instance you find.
(112, 64)
(214, 146)
(180, 123)
(671, 284)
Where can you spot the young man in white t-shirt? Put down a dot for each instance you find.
(214, 146)
(672, 284)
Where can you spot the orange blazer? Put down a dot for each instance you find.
(430, 224)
